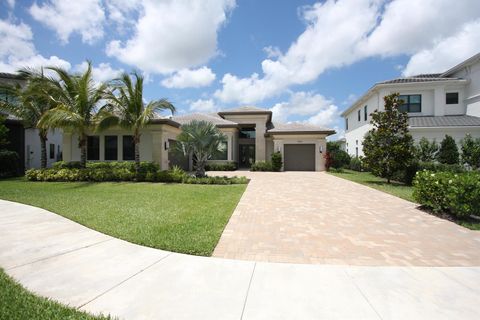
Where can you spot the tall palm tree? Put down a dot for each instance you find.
(76, 99)
(203, 140)
(127, 109)
(30, 102)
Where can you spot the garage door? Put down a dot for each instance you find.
(299, 157)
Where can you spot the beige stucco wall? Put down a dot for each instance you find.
(260, 122)
(320, 142)
(152, 144)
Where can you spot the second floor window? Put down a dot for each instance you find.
(365, 113)
(359, 115)
(346, 123)
(411, 103)
(451, 98)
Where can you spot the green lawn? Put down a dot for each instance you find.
(366, 178)
(18, 303)
(175, 217)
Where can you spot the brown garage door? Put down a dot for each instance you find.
(299, 157)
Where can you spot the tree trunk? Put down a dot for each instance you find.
(200, 167)
(43, 150)
(82, 143)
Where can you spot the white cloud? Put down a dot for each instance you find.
(409, 26)
(66, 17)
(102, 73)
(340, 33)
(333, 29)
(272, 52)
(121, 11)
(173, 35)
(20, 51)
(11, 4)
(446, 53)
(187, 78)
(319, 110)
(203, 105)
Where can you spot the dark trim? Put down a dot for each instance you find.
(226, 125)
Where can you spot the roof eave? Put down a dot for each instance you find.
(300, 132)
(165, 121)
(462, 64)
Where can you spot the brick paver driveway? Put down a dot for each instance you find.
(313, 217)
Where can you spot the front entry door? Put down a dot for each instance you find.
(247, 155)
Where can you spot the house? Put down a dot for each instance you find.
(24, 140)
(251, 136)
(437, 104)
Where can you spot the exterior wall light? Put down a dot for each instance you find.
(320, 149)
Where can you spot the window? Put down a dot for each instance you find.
(346, 123)
(93, 148)
(247, 133)
(451, 98)
(359, 115)
(128, 151)
(411, 103)
(356, 151)
(222, 152)
(365, 113)
(52, 151)
(111, 148)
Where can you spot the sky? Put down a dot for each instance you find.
(305, 60)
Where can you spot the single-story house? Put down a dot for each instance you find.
(251, 136)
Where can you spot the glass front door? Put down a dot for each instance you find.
(247, 155)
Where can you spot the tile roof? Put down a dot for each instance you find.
(419, 78)
(297, 127)
(244, 109)
(215, 119)
(444, 121)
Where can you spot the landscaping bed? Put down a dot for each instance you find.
(176, 217)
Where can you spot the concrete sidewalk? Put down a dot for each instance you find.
(65, 261)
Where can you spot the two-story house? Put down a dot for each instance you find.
(437, 105)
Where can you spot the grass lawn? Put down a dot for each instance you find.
(366, 178)
(18, 303)
(175, 217)
(397, 189)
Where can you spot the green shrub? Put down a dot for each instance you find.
(9, 164)
(67, 165)
(454, 193)
(276, 161)
(99, 173)
(425, 150)
(448, 152)
(406, 176)
(261, 166)
(356, 164)
(228, 166)
(471, 151)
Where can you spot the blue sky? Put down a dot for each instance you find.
(305, 60)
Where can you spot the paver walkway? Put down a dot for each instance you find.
(314, 217)
(65, 261)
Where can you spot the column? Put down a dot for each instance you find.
(260, 144)
(439, 101)
(67, 147)
(157, 147)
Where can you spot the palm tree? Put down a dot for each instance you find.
(30, 102)
(127, 109)
(76, 99)
(203, 140)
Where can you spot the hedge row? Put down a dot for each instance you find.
(123, 171)
(454, 193)
(229, 166)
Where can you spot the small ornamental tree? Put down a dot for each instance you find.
(276, 161)
(426, 151)
(388, 147)
(339, 157)
(471, 151)
(448, 152)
